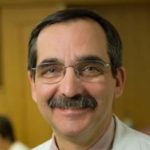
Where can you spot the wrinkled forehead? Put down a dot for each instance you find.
(72, 39)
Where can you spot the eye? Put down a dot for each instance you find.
(49, 71)
(92, 70)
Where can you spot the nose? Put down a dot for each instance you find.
(71, 84)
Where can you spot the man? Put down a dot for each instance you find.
(7, 137)
(75, 70)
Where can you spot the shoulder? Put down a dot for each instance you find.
(44, 146)
(19, 146)
(127, 138)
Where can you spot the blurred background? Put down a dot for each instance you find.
(17, 18)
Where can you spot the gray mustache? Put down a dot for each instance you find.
(76, 102)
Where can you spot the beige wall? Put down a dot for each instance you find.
(17, 20)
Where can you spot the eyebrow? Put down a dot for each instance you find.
(89, 58)
(49, 60)
(80, 59)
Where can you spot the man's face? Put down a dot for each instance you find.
(67, 43)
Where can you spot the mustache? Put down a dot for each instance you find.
(76, 102)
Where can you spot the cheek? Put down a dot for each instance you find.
(44, 92)
(96, 90)
(103, 92)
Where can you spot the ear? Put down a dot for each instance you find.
(32, 84)
(120, 81)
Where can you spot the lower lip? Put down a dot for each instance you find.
(72, 112)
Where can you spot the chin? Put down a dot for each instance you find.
(73, 128)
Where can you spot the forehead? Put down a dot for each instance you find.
(70, 40)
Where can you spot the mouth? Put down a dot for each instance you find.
(72, 112)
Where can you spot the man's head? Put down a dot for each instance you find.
(6, 132)
(75, 71)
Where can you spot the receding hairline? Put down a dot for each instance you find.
(72, 21)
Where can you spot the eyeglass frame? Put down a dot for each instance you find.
(76, 71)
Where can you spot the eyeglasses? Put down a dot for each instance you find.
(89, 71)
